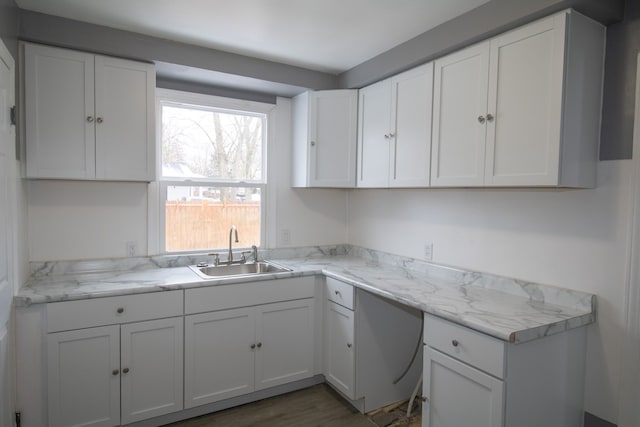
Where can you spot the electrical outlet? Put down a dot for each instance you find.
(428, 251)
(285, 236)
(132, 248)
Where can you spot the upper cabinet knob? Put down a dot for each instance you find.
(481, 119)
(490, 117)
(90, 119)
(99, 120)
(313, 143)
(120, 310)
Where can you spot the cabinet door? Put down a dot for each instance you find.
(458, 394)
(125, 120)
(219, 358)
(333, 123)
(84, 377)
(152, 354)
(285, 342)
(373, 135)
(525, 97)
(339, 355)
(411, 100)
(459, 112)
(59, 110)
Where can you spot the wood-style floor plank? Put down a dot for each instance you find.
(312, 407)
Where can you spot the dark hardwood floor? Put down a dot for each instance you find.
(313, 407)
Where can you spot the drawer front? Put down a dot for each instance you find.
(68, 315)
(340, 292)
(474, 348)
(223, 297)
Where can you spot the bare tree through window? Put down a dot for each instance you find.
(221, 148)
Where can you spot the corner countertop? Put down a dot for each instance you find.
(511, 310)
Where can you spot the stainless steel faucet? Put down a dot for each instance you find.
(230, 256)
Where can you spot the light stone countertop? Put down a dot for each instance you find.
(508, 309)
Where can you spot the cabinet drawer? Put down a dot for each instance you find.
(474, 348)
(340, 292)
(67, 315)
(223, 297)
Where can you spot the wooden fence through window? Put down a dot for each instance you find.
(205, 225)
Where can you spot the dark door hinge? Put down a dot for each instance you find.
(12, 115)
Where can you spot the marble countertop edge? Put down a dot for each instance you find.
(510, 310)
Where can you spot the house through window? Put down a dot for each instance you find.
(212, 172)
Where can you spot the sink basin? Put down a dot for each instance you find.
(248, 269)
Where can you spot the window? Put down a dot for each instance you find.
(212, 171)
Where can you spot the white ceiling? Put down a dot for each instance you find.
(325, 35)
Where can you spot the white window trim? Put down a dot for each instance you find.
(158, 189)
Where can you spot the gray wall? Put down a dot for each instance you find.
(9, 26)
(623, 42)
(623, 45)
(487, 20)
(481, 23)
(41, 28)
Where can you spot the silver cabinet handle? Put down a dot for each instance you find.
(120, 310)
(252, 346)
(337, 292)
(490, 117)
(392, 135)
(90, 119)
(481, 119)
(455, 343)
(259, 345)
(349, 345)
(99, 120)
(115, 372)
(125, 371)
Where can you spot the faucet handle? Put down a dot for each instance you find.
(254, 251)
(216, 258)
(243, 256)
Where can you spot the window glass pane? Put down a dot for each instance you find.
(205, 143)
(200, 217)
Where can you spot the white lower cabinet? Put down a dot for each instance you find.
(151, 360)
(84, 377)
(365, 358)
(108, 365)
(339, 362)
(111, 375)
(229, 353)
(474, 380)
(285, 348)
(459, 395)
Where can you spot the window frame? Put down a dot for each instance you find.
(209, 102)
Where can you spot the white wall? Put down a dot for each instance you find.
(72, 220)
(312, 216)
(575, 239)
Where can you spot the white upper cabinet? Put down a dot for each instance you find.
(373, 135)
(59, 109)
(394, 138)
(522, 109)
(125, 118)
(411, 106)
(88, 116)
(324, 139)
(460, 99)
